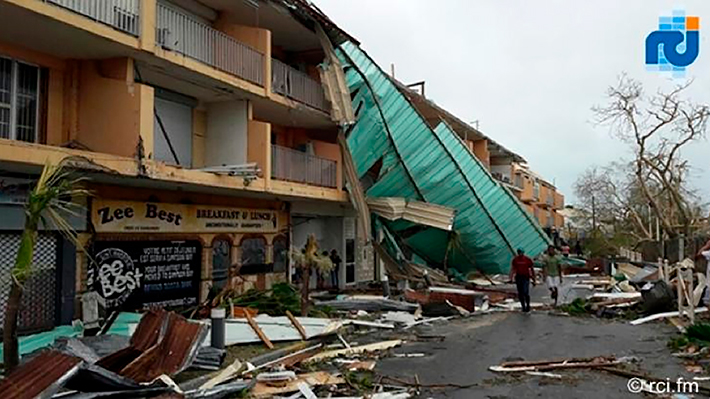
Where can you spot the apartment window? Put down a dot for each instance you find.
(19, 100)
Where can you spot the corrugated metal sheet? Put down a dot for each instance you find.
(395, 208)
(434, 166)
(163, 343)
(172, 354)
(41, 377)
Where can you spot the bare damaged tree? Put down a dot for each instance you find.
(616, 198)
(658, 127)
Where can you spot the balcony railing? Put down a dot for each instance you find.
(180, 32)
(550, 200)
(292, 165)
(296, 85)
(123, 15)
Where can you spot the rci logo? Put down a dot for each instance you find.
(675, 44)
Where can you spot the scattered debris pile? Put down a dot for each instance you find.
(265, 351)
(658, 291)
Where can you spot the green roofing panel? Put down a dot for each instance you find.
(433, 166)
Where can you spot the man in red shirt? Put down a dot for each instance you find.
(522, 269)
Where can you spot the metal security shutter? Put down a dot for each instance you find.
(176, 118)
(39, 300)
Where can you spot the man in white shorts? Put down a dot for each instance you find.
(552, 271)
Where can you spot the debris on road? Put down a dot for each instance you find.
(545, 365)
(376, 347)
(265, 390)
(663, 316)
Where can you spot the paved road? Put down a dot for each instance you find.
(471, 345)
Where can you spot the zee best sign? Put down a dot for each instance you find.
(145, 274)
(110, 216)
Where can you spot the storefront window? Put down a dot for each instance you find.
(253, 255)
(280, 254)
(349, 260)
(221, 259)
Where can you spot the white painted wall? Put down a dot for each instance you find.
(226, 138)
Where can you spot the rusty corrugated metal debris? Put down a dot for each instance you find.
(172, 354)
(41, 377)
(148, 332)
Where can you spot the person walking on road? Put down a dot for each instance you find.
(522, 269)
(552, 272)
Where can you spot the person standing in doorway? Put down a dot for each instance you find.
(522, 270)
(335, 272)
(552, 272)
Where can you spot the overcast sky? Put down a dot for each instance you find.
(528, 71)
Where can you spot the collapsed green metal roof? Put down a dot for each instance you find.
(432, 165)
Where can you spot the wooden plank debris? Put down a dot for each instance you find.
(663, 316)
(378, 346)
(258, 331)
(297, 325)
(546, 365)
(263, 390)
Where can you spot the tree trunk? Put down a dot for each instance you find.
(305, 283)
(11, 354)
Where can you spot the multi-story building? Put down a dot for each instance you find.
(204, 129)
(539, 196)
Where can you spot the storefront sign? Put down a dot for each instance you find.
(142, 274)
(147, 217)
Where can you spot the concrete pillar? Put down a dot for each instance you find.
(148, 20)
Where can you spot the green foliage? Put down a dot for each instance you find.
(50, 201)
(360, 380)
(678, 343)
(577, 307)
(699, 333)
(274, 302)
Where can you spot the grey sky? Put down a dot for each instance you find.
(528, 71)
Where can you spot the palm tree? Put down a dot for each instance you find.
(307, 260)
(48, 203)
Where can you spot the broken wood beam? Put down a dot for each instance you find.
(524, 363)
(258, 331)
(297, 325)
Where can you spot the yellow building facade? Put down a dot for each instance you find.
(210, 112)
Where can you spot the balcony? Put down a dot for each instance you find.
(297, 85)
(549, 200)
(180, 32)
(296, 166)
(559, 201)
(123, 15)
